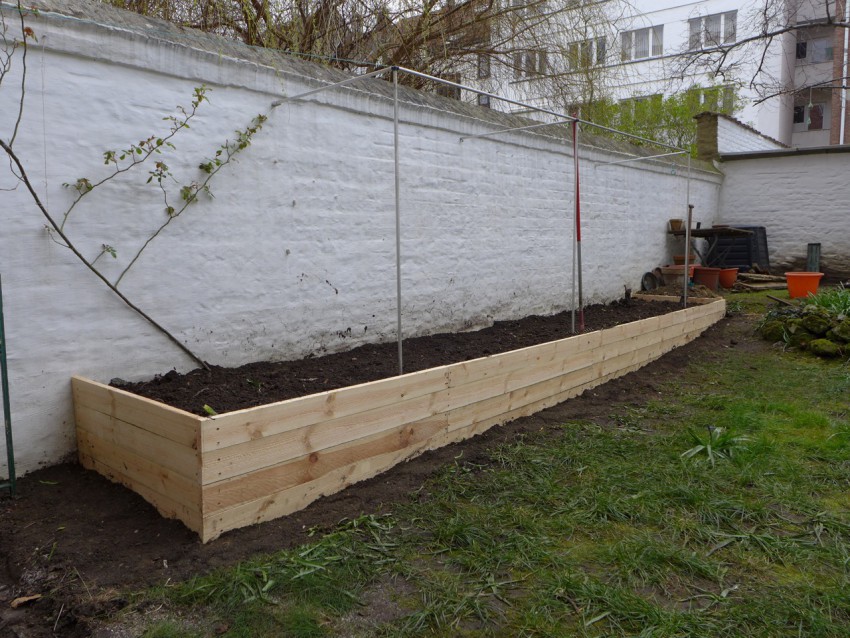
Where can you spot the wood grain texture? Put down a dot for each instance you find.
(158, 418)
(244, 467)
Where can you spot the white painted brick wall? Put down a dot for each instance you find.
(734, 138)
(799, 199)
(295, 254)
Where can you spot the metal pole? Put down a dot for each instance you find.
(397, 224)
(687, 255)
(573, 303)
(578, 227)
(7, 412)
(639, 159)
(531, 107)
(687, 235)
(480, 92)
(335, 85)
(509, 130)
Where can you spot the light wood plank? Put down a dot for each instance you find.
(142, 471)
(248, 457)
(462, 424)
(181, 459)
(297, 498)
(242, 426)
(256, 485)
(166, 506)
(158, 418)
(254, 455)
(642, 296)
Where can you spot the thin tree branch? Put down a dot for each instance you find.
(23, 175)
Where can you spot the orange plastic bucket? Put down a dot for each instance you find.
(802, 284)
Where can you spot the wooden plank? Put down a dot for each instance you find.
(461, 423)
(292, 499)
(242, 426)
(254, 455)
(574, 383)
(140, 470)
(269, 420)
(695, 300)
(158, 418)
(166, 506)
(182, 459)
(255, 485)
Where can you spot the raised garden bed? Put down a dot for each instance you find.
(247, 466)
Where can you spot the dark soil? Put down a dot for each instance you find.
(227, 389)
(83, 543)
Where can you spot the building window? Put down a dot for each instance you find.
(810, 117)
(814, 50)
(716, 98)
(529, 63)
(452, 92)
(712, 30)
(640, 108)
(585, 54)
(642, 43)
(815, 118)
(483, 66)
(484, 100)
(527, 8)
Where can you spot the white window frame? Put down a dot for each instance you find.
(483, 66)
(712, 30)
(530, 63)
(584, 54)
(654, 37)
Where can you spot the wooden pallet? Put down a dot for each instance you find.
(244, 467)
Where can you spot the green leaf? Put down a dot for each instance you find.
(209, 410)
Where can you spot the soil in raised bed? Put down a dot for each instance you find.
(83, 542)
(227, 389)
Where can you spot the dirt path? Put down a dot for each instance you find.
(78, 540)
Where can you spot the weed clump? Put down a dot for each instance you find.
(819, 324)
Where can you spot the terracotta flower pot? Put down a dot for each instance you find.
(728, 277)
(708, 277)
(680, 259)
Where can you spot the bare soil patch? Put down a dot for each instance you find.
(227, 389)
(79, 541)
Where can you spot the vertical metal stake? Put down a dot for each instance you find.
(7, 412)
(687, 236)
(578, 229)
(575, 243)
(397, 224)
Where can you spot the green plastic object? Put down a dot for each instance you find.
(7, 412)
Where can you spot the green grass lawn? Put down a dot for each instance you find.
(589, 529)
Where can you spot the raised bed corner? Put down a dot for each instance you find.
(244, 467)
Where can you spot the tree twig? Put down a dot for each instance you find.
(70, 245)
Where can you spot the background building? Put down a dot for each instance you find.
(781, 74)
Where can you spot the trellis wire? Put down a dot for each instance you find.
(576, 275)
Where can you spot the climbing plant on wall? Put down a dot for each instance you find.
(151, 154)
